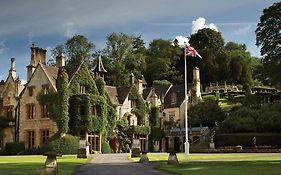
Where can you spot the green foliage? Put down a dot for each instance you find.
(141, 109)
(246, 119)
(82, 77)
(160, 82)
(62, 102)
(143, 130)
(65, 145)
(205, 113)
(13, 148)
(76, 49)
(122, 127)
(268, 37)
(154, 118)
(246, 139)
(105, 148)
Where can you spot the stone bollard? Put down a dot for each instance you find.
(51, 167)
(173, 159)
(144, 158)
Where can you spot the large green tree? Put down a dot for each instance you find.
(76, 49)
(268, 37)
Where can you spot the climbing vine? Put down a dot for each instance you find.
(140, 109)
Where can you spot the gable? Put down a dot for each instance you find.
(82, 77)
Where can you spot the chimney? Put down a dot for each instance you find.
(12, 70)
(60, 60)
(38, 55)
(196, 81)
(30, 70)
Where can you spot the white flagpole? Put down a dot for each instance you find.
(186, 101)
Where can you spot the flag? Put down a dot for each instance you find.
(191, 52)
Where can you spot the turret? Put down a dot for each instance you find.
(12, 70)
(196, 81)
(60, 60)
(99, 69)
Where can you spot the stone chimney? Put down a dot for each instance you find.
(196, 81)
(38, 55)
(12, 70)
(60, 60)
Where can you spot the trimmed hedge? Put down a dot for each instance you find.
(65, 145)
(246, 139)
(13, 148)
(105, 148)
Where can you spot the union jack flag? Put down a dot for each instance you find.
(191, 52)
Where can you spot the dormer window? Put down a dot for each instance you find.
(174, 98)
(31, 90)
(45, 89)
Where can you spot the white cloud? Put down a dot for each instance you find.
(69, 29)
(2, 47)
(182, 39)
(200, 23)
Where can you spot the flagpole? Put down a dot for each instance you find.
(186, 101)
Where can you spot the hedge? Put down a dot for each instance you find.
(65, 145)
(13, 148)
(246, 139)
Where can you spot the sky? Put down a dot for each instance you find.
(48, 23)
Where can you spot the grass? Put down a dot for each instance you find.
(33, 165)
(221, 164)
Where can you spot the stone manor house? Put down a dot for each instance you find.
(24, 119)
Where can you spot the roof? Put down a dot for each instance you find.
(113, 94)
(160, 90)
(123, 93)
(99, 66)
(52, 73)
(179, 91)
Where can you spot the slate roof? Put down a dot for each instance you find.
(123, 93)
(160, 90)
(52, 73)
(179, 91)
(113, 94)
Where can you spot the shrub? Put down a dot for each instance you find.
(13, 148)
(65, 145)
(105, 148)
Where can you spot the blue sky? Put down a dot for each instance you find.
(48, 23)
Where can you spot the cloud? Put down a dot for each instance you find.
(30, 38)
(2, 47)
(182, 39)
(200, 23)
(69, 29)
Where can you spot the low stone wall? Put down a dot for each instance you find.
(235, 150)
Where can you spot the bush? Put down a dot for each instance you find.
(13, 148)
(246, 139)
(105, 148)
(65, 145)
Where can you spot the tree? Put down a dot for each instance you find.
(268, 37)
(210, 44)
(163, 57)
(76, 49)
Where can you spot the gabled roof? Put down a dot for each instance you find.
(123, 93)
(52, 73)
(160, 91)
(113, 94)
(179, 91)
(99, 66)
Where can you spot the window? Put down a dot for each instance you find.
(172, 115)
(44, 111)
(30, 109)
(45, 135)
(174, 98)
(82, 89)
(31, 90)
(31, 139)
(190, 99)
(9, 112)
(45, 89)
(133, 103)
(94, 110)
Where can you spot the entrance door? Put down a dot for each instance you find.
(94, 141)
(177, 144)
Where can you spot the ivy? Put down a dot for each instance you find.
(154, 118)
(83, 77)
(141, 109)
(142, 130)
(122, 126)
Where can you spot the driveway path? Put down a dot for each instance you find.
(117, 164)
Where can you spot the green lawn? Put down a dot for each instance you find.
(221, 164)
(33, 165)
